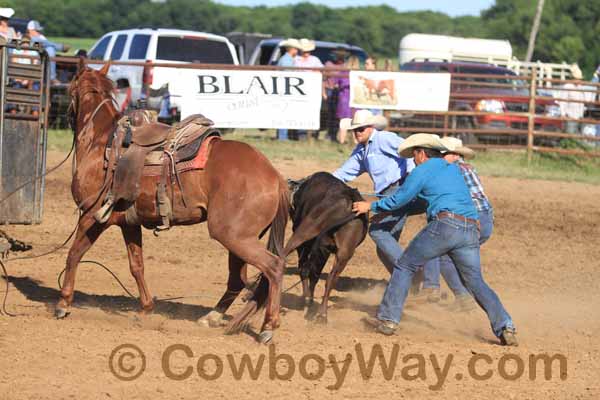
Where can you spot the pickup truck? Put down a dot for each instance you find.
(268, 51)
(472, 94)
(150, 83)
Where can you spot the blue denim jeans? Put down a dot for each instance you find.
(385, 229)
(282, 134)
(460, 240)
(445, 266)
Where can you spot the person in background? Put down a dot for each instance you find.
(342, 83)
(596, 79)
(6, 32)
(307, 60)
(34, 30)
(371, 65)
(572, 105)
(452, 228)
(388, 65)
(331, 91)
(287, 60)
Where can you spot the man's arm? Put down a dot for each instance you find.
(405, 193)
(351, 169)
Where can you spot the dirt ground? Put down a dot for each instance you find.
(543, 261)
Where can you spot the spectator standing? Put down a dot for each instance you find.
(34, 30)
(287, 60)
(6, 32)
(572, 105)
(371, 65)
(307, 60)
(331, 91)
(342, 83)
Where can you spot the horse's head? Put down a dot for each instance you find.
(87, 90)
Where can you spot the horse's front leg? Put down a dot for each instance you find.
(235, 283)
(88, 231)
(133, 241)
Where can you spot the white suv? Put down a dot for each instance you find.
(157, 45)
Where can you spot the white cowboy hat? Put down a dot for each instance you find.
(307, 45)
(364, 118)
(455, 145)
(6, 12)
(427, 140)
(291, 42)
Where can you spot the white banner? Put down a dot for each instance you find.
(400, 90)
(251, 99)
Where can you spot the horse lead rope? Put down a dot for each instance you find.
(33, 180)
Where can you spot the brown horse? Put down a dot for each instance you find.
(239, 193)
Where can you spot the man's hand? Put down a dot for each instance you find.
(361, 207)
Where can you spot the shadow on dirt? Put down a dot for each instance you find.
(34, 291)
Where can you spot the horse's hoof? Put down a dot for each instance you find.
(61, 313)
(321, 319)
(213, 319)
(265, 337)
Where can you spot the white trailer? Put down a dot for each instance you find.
(424, 47)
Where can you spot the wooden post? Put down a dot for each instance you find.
(445, 125)
(531, 120)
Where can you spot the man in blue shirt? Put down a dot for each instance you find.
(377, 154)
(34, 30)
(287, 60)
(453, 229)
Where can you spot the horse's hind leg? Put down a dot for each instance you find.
(133, 241)
(235, 284)
(253, 253)
(87, 233)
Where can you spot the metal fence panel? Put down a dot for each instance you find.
(23, 133)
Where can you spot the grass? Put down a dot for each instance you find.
(489, 163)
(75, 43)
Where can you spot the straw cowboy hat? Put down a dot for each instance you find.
(6, 13)
(363, 118)
(427, 140)
(291, 42)
(307, 45)
(455, 145)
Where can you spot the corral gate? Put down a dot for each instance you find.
(24, 96)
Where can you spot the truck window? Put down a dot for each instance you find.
(266, 50)
(193, 49)
(117, 50)
(139, 47)
(100, 49)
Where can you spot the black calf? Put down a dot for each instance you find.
(323, 223)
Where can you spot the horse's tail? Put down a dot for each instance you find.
(277, 234)
(275, 246)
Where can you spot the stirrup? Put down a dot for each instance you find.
(104, 213)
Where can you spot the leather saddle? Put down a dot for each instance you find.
(142, 146)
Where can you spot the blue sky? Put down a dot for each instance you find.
(453, 8)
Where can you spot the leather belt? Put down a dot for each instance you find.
(458, 217)
(399, 182)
